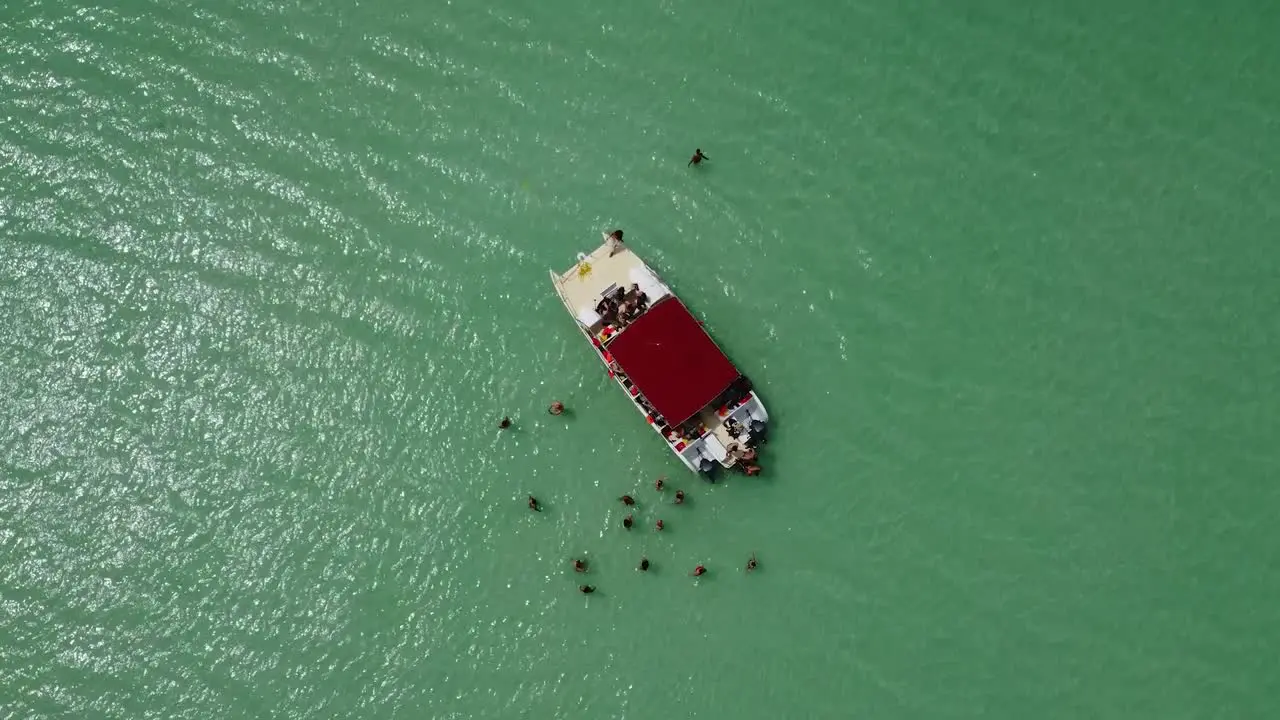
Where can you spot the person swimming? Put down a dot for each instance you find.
(586, 589)
(533, 504)
(699, 571)
(579, 566)
(505, 423)
(627, 500)
(751, 564)
(628, 521)
(644, 564)
(556, 408)
(679, 497)
(659, 525)
(660, 483)
(697, 158)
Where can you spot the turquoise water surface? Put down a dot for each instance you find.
(1004, 272)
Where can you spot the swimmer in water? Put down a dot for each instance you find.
(628, 521)
(556, 408)
(699, 571)
(533, 504)
(697, 158)
(660, 483)
(506, 423)
(627, 500)
(751, 564)
(644, 564)
(586, 589)
(579, 566)
(679, 497)
(659, 525)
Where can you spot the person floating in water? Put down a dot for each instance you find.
(628, 521)
(679, 497)
(533, 504)
(579, 566)
(660, 483)
(644, 564)
(586, 589)
(751, 564)
(659, 525)
(698, 157)
(627, 500)
(506, 423)
(699, 571)
(556, 408)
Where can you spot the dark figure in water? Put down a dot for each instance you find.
(556, 408)
(751, 564)
(699, 571)
(752, 470)
(627, 500)
(659, 525)
(533, 504)
(506, 423)
(679, 497)
(627, 522)
(660, 483)
(579, 566)
(698, 157)
(644, 564)
(586, 589)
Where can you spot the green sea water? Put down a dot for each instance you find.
(1006, 274)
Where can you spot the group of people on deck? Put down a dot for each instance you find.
(741, 452)
(621, 307)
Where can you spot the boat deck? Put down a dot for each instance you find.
(610, 266)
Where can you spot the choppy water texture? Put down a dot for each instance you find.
(1006, 272)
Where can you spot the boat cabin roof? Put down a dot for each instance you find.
(677, 367)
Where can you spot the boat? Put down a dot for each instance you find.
(669, 368)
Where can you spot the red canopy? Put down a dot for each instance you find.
(673, 361)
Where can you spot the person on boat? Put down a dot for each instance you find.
(505, 423)
(749, 453)
(699, 571)
(660, 483)
(614, 241)
(644, 564)
(628, 521)
(679, 497)
(751, 564)
(533, 504)
(698, 157)
(586, 589)
(659, 525)
(627, 500)
(556, 408)
(579, 566)
(733, 426)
